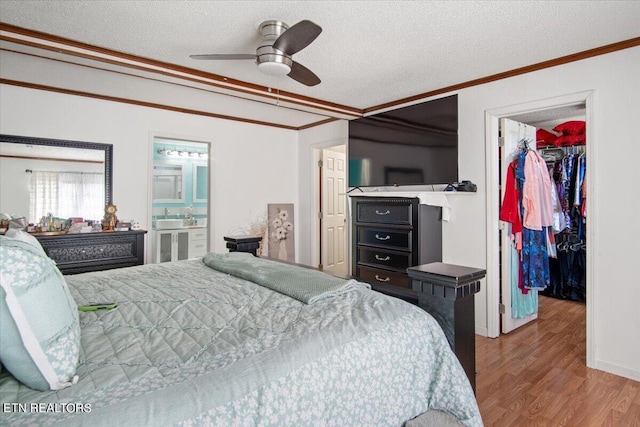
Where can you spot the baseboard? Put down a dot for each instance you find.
(482, 331)
(620, 371)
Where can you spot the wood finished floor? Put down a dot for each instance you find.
(537, 376)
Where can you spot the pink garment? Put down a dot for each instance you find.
(537, 201)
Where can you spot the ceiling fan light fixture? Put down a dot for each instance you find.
(274, 68)
(272, 61)
(280, 42)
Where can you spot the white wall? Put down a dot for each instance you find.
(251, 165)
(616, 137)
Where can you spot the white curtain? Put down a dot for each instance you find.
(66, 194)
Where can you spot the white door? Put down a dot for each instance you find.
(512, 133)
(334, 217)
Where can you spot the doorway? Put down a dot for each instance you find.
(539, 113)
(179, 199)
(333, 211)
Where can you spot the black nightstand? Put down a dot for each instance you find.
(243, 244)
(446, 292)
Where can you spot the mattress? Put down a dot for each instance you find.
(190, 345)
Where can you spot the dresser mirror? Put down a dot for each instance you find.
(21, 157)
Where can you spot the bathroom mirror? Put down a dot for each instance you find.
(168, 182)
(20, 156)
(200, 182)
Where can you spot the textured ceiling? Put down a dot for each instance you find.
(369, 53)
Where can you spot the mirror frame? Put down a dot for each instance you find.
(107, 149)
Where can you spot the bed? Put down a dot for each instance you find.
(192, 343)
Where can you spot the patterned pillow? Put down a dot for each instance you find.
(15, 233)
(40, 331)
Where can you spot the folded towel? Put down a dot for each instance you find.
(304, 284)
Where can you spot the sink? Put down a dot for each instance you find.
(168, 224)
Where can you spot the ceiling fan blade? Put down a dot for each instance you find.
(302, 74)
(297, 37)
(224, 56)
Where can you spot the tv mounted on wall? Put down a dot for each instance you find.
(414, 145)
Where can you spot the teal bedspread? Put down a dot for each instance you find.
(303, 284)
(189, 345)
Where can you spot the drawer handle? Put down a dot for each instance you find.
(386, 258)
(382, 279)
(387, 237)
(101, 249)
(383, 213)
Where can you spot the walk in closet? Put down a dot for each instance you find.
(543, 211)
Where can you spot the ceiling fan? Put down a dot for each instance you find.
(280, 42)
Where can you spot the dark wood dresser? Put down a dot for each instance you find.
(391, 234)
(80, 253)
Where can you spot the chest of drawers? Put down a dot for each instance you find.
(80, 253)
(385, 239)
(390, 235)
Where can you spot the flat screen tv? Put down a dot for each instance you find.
(414, 145)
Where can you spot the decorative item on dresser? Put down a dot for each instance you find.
(391, 234)
(80, 253)
(110, 219)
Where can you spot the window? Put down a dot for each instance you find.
(66, 194)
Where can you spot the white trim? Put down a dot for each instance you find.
(592, 247)
(621, 371)
(483, 332)
(493, 250)
(492, 207)
(185, 76)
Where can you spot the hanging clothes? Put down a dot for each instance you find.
(532, 205)
(537, 201)
(533, 178)
(510, 209)
(523, 304)
(559, 220)
(510, 213)
(568, 270)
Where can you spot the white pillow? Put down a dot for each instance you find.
(16, 233)
(40, 330)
